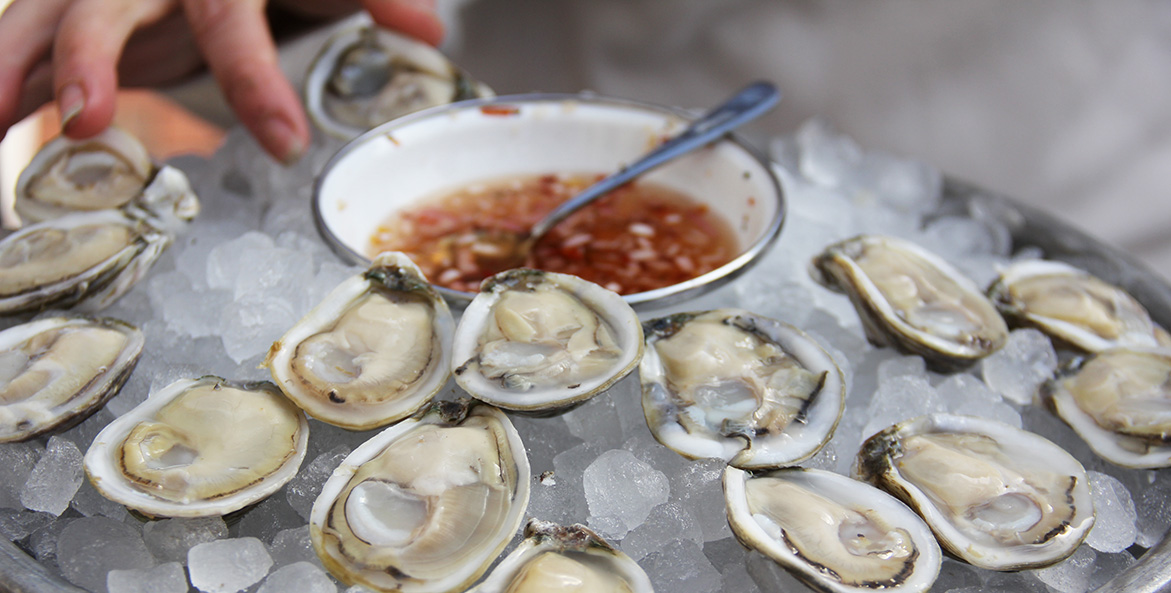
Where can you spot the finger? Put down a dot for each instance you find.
(416, 18)
(234, 37)
(85, 56)
(26, 34)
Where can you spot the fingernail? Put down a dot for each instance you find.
(70, 102)
(287, 145)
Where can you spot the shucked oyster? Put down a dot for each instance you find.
(1119, 402)
(199, 447)
(1074, 307)
(96, 256)
(541, 341)
(996, 496)
(913, 300)
(730, 384)
(374, 351)
(365, 76)
(57, 371)
(836, 534)
(68, 175)
(573, 559)
(425, 505)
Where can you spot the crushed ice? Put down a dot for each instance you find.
(252, 264)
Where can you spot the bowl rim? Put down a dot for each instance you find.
(664, 296)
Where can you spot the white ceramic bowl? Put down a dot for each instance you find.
(445, 148)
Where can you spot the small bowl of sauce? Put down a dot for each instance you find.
(435, 183)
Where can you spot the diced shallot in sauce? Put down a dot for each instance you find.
(641, 237)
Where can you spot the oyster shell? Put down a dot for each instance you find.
(1119, 402)
(56, 371)
(92, 257)
(425, 505)
(374, 351)
(95, 256)
(836, 534)
(554, 558)
(996, 496)
(913, 300)
(68, 175)
(199, 447)
(731, 384)
(1074, 307)
(365, 76)
(539, 341)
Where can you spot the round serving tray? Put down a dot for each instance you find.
(1029, 228)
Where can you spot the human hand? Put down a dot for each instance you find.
(80, 51)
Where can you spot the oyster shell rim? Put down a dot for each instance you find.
(753, 455)
(748, 532)
(542, 536)
(872, 466)
(99, 464)
(620, 316)
(878, 316)
(112, 379)
(1103, 442)
(1063, 332)
(325, 312)
(437, 412)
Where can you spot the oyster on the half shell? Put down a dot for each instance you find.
(1074, 307)
(574, 559)
(753, 391)
(996, 496)
(913, 300)
(66, 175)
(1119, 402)
(834, 533)
(365, 76)
(535, 341)
(56, 371)
(198, 448)
(425, 505)
(374, 351)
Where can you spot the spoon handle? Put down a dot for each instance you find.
(746, 105)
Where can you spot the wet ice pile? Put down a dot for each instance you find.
(252, 264)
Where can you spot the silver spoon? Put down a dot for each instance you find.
(512, 249)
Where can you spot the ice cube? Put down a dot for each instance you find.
(621, 491)
(229, 565)
(301, 577)
(90, 547)
(1114, 515)
(1018, 369)
(164, 578)
(55, 478)
(172, 539)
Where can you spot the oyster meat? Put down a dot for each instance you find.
(540, 341)
(95, 256)
(425, 505)
(836, 534)
(199, 447)
(374, 351)
(753, 391)
(553, 558)
(68, 175)
(996, 496)
(1074, 307)
(56, 371)
(1119, 402)
(912, 300)
(365, 76)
